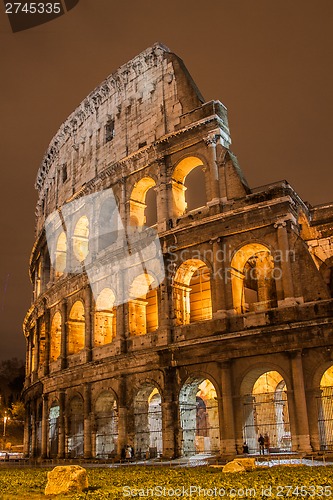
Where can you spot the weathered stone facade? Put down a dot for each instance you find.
(236, 340)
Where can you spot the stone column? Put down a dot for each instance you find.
(213, 171)
(162, 196)
(228, 425)
(87, 421)
(217, 280)
(88, 324)
(314, 405)
(62, 431)
(33, 427)
(164, 329)
(47, 341)
(64, 332)
(301, 414)
(26, 437)
(122, 415)
(283, 243)
(45, 421)
(170, 415)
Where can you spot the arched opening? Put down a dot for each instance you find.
(325, 410)
(143, 307)
(81, 238)
(192, 292)
(105, 318)
(55, 341)
(143, 207)
(253, 279)
(148, 423)
(108, 223)
(188, 186)
(265, 411)
(106, 418)
(199, 417)
(75, 438)
(54, 415)
(76, 328)
(61, 254)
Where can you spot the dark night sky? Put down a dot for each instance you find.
(269, 62)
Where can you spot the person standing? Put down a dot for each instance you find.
(261, 442)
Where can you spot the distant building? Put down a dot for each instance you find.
(235, 341)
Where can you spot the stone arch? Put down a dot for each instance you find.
(76, 328)
(141, 212)
(253, 278)
(55, 334)
(143, 305)
(265, 408)
(192, 292)
(180, 176)
(53, 429)
(199, 416)
(81, 238)
(147, 413)
(108, 223)
(325, 410)
(61, 254)
(105, 318)
(106, 424)
(75, 437)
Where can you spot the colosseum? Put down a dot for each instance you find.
(176, 310)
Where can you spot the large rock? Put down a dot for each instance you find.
(233, 467)
(247, 463)
(66, 479)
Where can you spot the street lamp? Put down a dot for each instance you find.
(5, 418)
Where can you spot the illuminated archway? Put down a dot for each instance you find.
(253, 279)
(141, 212)
(148, 422)
(143, 307)
(106, 419)
(180, 183)
(105, 318)
(325, 410)
(199, 417)
(61, 254)
(265, 411)
(75, 438)
(55, 334)
(81, 238)
(76, 328)
(54, 414)
(192, 292)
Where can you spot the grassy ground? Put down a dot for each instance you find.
(134, 482)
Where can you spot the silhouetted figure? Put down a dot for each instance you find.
(245, 448)
(261, 442)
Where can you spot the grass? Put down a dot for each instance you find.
(120, 483)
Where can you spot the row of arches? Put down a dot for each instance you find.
(265, 410)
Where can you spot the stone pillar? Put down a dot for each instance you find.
(120, 338)
(164, 329)
(122, 415)
(64, 332)
(314, 405)
(88, 324)
(87, 421)
(162, 196)
(217, 280)
(283, 243)
(26, 436)
(301, 414)
(33, 427)
(45, 421)
(62, 430)
(213, 171)
(228, 426)
(47, 342)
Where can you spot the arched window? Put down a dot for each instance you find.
(106, 418)
(325, 410)
(61, 254)
(188, 186)
(148, 421)
(81, 238)
(108, 223)
(143, 208)
(105, 318)
(252, 278)
(76, 328)
(143, 308)
(55, 341)
(192, 293)
(54, 415)
(75, 440)
(41, 344)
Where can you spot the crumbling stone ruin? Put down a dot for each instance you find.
(197, 340)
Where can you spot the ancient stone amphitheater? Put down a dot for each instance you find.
(176, 310)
